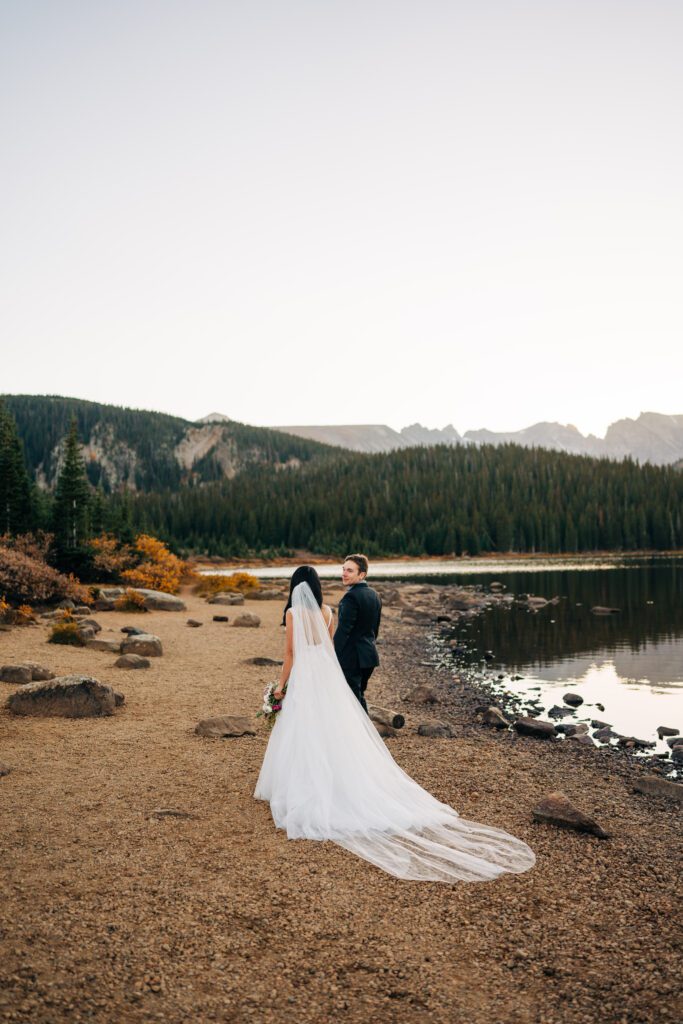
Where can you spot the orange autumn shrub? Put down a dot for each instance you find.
(25, 576)
(66, 632)
(238, 582)
(130, 601)
(158, 568)
(25, 614)
(110, 556)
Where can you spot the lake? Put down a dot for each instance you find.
(630, 661)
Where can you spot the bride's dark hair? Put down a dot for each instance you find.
(304, 574)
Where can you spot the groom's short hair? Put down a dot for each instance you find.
(360, 560)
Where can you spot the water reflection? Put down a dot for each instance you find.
(630, 661)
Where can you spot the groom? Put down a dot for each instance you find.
(360, 610)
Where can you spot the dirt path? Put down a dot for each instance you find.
(109, 915)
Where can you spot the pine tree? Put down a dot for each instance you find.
(71, 510)
(15, 486)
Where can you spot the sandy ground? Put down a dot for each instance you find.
(109, 915)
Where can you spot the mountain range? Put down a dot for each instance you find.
(652, 437)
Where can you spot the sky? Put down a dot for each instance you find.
(341, 212)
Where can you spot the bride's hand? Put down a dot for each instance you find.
(278, 694)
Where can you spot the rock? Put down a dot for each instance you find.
(103, 605)
(605, 735)
(194, 622)
(394, 719)
(142, 643)
(422, 695)
(247, 620)
(666, 730)
(557, 712)
(113, 646)
(535, 727)
(599, 609)
(600, 707)
(495, 718)
(4, 769)
(390, 595)
(576, 729)
(652, 785)
(86, 633)
(557, 809)
(260, 660)
(132, 661)
(67, 603)
(92, 623)
(66, 696)
(16, 674)
(221, 618)
(133, 630)
(581, 737)
(677, 754)
(265, 595)
(674, 741)
(385, 731)
(597, 724)
(573, 699)
(119, 699)
(169, 812)
(224, 727)
(435, 730)
(226, 599)
(633, 741)
(39, 672)
(155, 600)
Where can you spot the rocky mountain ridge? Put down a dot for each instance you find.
(652, 437)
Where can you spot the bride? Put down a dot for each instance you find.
(329, 775)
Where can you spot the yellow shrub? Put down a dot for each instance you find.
(130, 601)
(66, 632)
(159, 569)
(5, 609)
(213, 583)
(25, 614)
(110, 555)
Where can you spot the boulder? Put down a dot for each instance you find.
(39, 672)
(226, 599)
(435, 730)
(495, 718)
(66, 696)
(86, 633)
(575, 729)
(247, 620)
(16, 674)
(132, 661)
(95, 644)
(535, 727)
(573, 699)
(666, 730)
(559, 712)
(422, 695)
(92, 623)
(605, 735)
(142, 643)
(557, 809)
(224, 727)
(155, 600)
(103, 604)
(653, 785)
(194, 622)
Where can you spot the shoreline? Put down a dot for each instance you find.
(112, 914)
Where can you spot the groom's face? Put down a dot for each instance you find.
(351, 573)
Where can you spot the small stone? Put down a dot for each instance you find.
(132, 661)
(597, 724)
(633, 741)
(535, 727)
(247, 620)
(224, 727)
(652, 785)
(16, 674)
(422, 695)
(674, 741)
(170, 812)
(384, 730)
(221, 618)
(95, 644)
(142, 643)
(582, 738)
(666, 730)
(226, 599)
(558, 712)
(133, 630)
(573, 699)
(194, 622)
(260, 660)
(677, 754)
(495, 718)
(557, 809)
(435, 730)
(93, 623)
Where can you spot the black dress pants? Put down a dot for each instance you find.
(357, 678)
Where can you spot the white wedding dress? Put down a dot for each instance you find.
(328, 775)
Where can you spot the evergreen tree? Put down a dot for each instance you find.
(71, 510)
(15, 486)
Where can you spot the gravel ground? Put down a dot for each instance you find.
(110, 915)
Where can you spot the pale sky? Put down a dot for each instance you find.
(343, 212)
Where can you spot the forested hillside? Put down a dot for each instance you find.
(141, 450)
(431, 501)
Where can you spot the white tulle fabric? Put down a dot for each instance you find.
(328, 775)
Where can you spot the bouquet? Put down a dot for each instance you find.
(270, 706)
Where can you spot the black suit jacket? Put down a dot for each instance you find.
(360, 611)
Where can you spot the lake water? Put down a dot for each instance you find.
(631, 661)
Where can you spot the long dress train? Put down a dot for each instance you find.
(328, 775)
